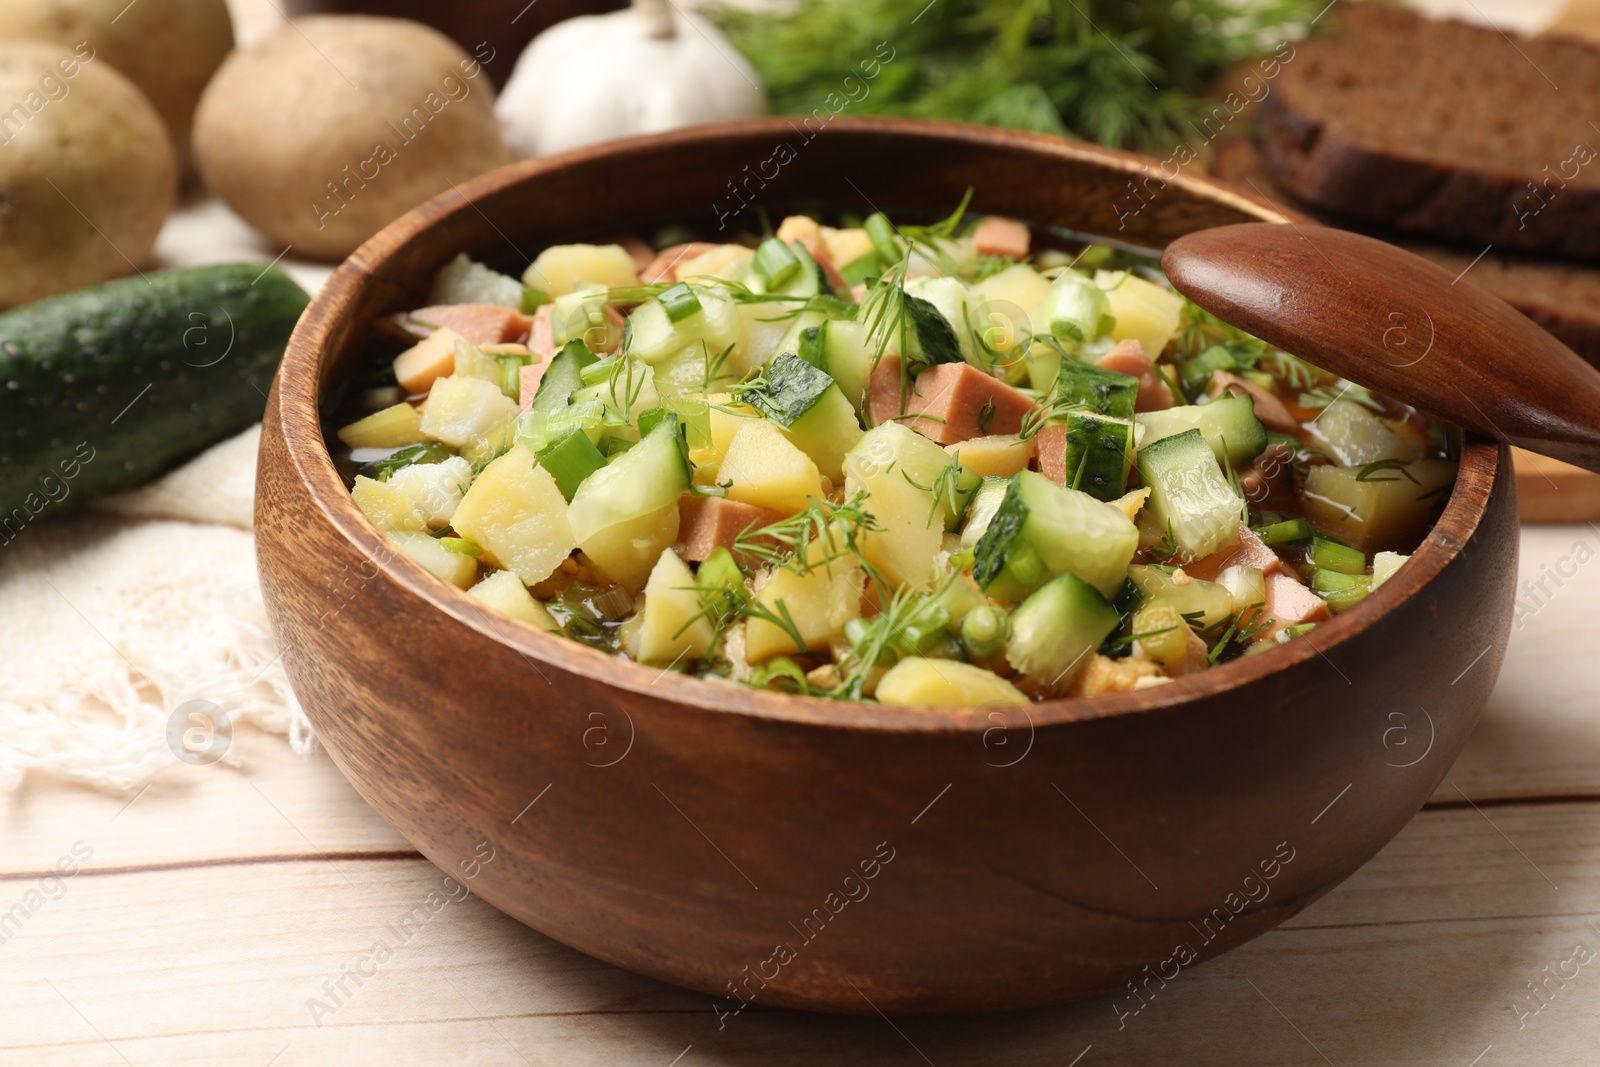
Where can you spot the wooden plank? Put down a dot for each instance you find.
(1549, 490)
(276, 805)
(1418, 959)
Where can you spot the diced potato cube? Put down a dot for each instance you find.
(723, 261)
(517, 515)
(425, 550)
(385, 506)
(505, 592)
(626, 552)
(1145, 312)
(393, 427)
(819, 602)
(432, 358)
(560, 269)
(768, 471)
(843, 246)
(434, 489)
(674, 625)
(1387, 510)
(997, 456)
(912, 520)
(947, 682)
(462, 410)
(1384, 564)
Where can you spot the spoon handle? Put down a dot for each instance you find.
(1398, 324)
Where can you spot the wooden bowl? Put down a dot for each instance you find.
(849, 857)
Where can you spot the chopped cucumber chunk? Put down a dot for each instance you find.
(642, 480)
(1042, 530)
(1075, 310)
(1189, 496)
(1228, 423)
(1057, 628)
(1091, 388)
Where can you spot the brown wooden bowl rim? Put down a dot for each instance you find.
(299, 407)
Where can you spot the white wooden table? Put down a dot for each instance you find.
(211, 910)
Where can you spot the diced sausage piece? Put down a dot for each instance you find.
(1052, 452)
(664, 267)
(707, 523)
(482, 324)
(996, 236)
(1129, 358)
(857, 292)
(962, 402)
(640, 252)
(1269, 409)
(1289, 603)
(883, 391)
(541, 335)
(1251, 551)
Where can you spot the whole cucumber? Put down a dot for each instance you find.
(103, 389)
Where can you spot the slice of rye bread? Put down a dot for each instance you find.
(1443, 130)
(1564, 298)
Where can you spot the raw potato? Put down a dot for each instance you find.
(334, 125)
(87, 173)
(168, 48)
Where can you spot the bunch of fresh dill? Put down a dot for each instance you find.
(1127, 73)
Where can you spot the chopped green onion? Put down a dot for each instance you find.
(1340, 590)
(881, 230)
(679, 302)
(570, 459)
(1332, 556)
(984, 632)
(595, 373)
(865, 266)
(511, 365)
(776, 263)
(1281, 532)
(538, 428)
(1297, 630)
(616, 446)
(533, 299)
(460, 546)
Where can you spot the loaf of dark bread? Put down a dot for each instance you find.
(1443, 130)
(1564, 298)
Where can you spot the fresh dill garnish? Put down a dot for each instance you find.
(1323, 395)
(1241, 628)
(1128, 73)
(836, 528)
(1371, 471)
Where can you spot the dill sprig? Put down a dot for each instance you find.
(1128, 73)
(837, 528)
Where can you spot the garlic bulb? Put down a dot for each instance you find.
(645, 69)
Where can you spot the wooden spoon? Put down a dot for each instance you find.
(1398, 324)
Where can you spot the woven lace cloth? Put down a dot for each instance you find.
(119, 615)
